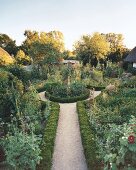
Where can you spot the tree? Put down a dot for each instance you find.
(91, 49)
(31, 37)
(8, 44)
(22, 59)
(117, 48)
(42, 53)
(55, 38)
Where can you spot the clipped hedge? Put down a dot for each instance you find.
(49, 138)
(97, 88)
(68, 99)
(88, 136)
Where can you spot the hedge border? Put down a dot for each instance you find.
(97, 88)
(68, 99)
(48, 142)
(87, 135)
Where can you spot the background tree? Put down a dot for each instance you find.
(55, 38)
(44, 53)
(31, 37)
(22, 59)
(117, 47)
(8, 44)
(91, 49)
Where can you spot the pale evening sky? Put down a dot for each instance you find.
(72, 17)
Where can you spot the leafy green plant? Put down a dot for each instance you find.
(22, 150)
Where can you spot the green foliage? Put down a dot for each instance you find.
(55, 38)
(113, 145)
(10, 87)
(113, 70)
(49, 138)
(20, 73)
(66, 94)
(22, 150)
(22, 59)
(128, 82)
(112, 108)
(113, 120)
(64, 91)
(90, 49)
(8, 44)
(131, 69)
(88, 136)
(70, 99)
(44, 53)
(30, 104)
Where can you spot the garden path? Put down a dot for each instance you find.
(68, 151)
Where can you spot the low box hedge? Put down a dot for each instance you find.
(48, 142)
(88, 137)
(68, 99)
(97, 88)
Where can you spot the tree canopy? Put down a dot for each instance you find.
(8, 44)
(92, 48)
(55, 38)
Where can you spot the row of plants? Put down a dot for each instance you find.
(48, 140)
(88, 137)
(115, 107)
(112, 117)
(23, 120)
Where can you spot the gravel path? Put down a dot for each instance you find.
(68, 153)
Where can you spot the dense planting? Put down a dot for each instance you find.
(112, 118)
(66, 93)
(28, 125)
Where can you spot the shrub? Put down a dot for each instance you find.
(129, 82)
(87, 135)
(10, 86)
(20, 73)
(131, 69)
(66, 94)
(69, 99)
(22, 150)
(49, 138)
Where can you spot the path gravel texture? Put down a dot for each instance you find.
(68, 152)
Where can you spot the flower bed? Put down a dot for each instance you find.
(66, 94)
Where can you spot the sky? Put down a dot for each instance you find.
(73, 18)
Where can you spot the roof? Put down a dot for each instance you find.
(131, 56)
